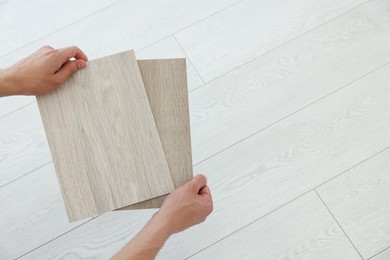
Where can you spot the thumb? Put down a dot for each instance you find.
(69, 68)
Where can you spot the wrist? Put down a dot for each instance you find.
(162, 224)
(8, 83)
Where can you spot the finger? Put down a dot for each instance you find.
(72, 52)
(205, 192)
(199, 181)
(69, 68)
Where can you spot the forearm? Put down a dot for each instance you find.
(7, 84)
(147, 243)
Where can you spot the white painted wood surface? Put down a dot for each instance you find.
(298, 64)
(251, 28)
(32, 213)
(308, 233)
(40, 18)
(137, 24)
(10, 104)
(23, 144)
(273, 167)
(360, 201)
(276, 85)
(385, 255)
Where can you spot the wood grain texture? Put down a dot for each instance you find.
(223, 42)
(321, 61)
(275, 85)
(265, 171)
(164, 49)
(128, 222)
(360, 201)
(168, 48)
(12, 103)
(27, 125)
(24, 22)
(134, 25)
(166, 86)
(309, 232)
(385, 255)
(23, 145)
(32, 213)
(103, 138)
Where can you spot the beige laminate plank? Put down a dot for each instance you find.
(166, 86)
(103, 138)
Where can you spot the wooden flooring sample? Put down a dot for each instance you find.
(166, 86)
(103, 138)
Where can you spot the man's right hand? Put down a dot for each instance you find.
(187, 206)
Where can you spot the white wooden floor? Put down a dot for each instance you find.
(290, 121)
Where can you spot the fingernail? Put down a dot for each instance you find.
(81, 64)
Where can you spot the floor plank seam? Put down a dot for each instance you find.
(25, 174)
(337, 222)
(380, 252)
(189, 60)
(265, 215)
(85, 17)
(53, 239)
(283, 44)
(299, 196)
(289, 115)
(59, 29)
(3, 116)
(204, 18)
(254, 132)
(350, 168)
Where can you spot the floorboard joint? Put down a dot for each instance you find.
(380, 252)
(43, 165)
(292, 200)
(337, 222)
(54, 238)
(10, 113)
(281, 45)
(189, 60)
(289, 115)
(59, 29)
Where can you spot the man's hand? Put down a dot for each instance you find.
(187, 206)
(41, 72)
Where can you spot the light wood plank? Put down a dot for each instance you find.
(22, 22)
(266, 170)
(167, 49)
(27, 123)
(251, 28)
(272, 87)
(23, 145)
(360, 201)
(32, 213)
(104, 139)
(303, 229)
(166, 86)
(385, 255)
